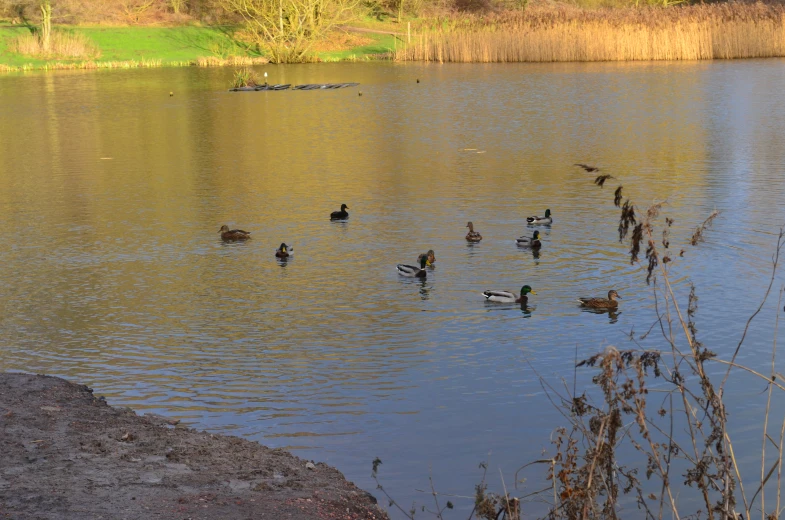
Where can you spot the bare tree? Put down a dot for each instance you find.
(177, 6)
(287, 29)
(46, 25)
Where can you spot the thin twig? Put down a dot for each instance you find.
(775, 263)
(768, 411)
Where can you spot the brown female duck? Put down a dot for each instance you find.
(601, 303)
(472, 235)
(230, 235)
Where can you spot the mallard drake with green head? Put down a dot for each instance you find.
(508, 297)
(533, 242)
(601, 303)
(231, 235)
(541, 220)
(284, 251)
(472, 235)
(430, 256)
(412, 271)
(340, 215)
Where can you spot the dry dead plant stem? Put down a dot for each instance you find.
(766, 415)
(775, 261)
(779, 470)
(715, 468)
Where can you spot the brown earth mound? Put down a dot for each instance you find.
(65, 454)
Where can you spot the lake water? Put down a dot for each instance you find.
(113, 273)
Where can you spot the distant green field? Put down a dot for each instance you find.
(170, 45)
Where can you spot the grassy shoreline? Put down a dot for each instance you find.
(560, 33)
(180, 46)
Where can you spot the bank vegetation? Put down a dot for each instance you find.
(549, 34)
(290, 31)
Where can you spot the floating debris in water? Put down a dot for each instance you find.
(261, 87)
(309, 86)
(324, 86)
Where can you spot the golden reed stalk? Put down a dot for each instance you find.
(701, 32)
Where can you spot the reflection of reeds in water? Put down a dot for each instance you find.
(209, 61)
(716, 31)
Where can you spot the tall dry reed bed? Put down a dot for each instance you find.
(544, 34)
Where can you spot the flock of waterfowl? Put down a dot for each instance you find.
(428, 259)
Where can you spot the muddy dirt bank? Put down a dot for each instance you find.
(66, 454)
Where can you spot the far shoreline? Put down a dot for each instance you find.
(552, 33)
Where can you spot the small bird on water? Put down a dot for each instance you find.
(413, 271)
(547, 219)
(533, 242)
(284, 251)
(340, 215)
(230, 235)
(430, 257)
(171, 94)
(601, 303)
(509, 297)
(472, 235)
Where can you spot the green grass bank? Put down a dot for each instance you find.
(128, 47)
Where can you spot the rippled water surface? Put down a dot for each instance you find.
(113, 273)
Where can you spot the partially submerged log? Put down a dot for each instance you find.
(261, 87)
(308, 86)
(324, 86)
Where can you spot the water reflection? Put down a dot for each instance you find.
(613, 314)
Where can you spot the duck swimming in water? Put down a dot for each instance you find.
(541, 220)
(472, 235)
(412, 271)
(430, 256)
(340, 215)
(533, 242)
(230, 235)
(601, 303)
(508, 297)
(284, 251)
